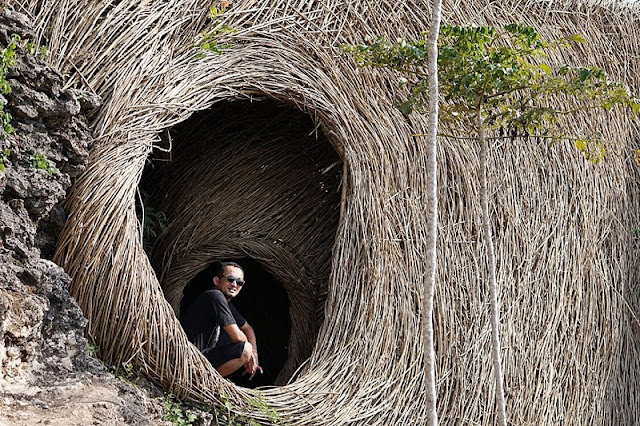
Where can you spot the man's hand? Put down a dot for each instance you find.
(252, 366)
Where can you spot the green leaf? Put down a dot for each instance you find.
(584, 73)
(577, 38)
(580, 144)
(406, 107)
(545, 68)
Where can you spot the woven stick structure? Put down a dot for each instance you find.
(564, 230)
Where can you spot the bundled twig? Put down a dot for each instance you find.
(564, 230)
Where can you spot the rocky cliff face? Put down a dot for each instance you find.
(44, 359)
(42, 328)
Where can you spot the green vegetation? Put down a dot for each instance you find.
(125, 371)
(39, 161)
(154, 222)
(4, 157)
(208, 42)
(93, 350)
(224, 414)
(7, 60)
(497, 81)
(260, 405)
(174, 412)
(41, 52)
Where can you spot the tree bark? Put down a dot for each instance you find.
(432, 201)
(493, 282)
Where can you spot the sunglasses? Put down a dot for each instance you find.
(239, 282)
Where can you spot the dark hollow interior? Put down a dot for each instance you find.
(252, 141)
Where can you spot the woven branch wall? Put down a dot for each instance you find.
(567, 257)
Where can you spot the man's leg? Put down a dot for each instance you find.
(233, 364)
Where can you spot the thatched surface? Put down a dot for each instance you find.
(567, 258)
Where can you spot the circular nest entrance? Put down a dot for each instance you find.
(254, 182)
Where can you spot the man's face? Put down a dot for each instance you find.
(229, 289)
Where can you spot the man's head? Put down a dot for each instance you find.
(228, 277)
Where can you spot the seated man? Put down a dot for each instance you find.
(215, 327)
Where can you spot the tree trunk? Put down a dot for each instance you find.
(432, 201)
(493, 282)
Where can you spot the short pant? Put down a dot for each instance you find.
(221, 354)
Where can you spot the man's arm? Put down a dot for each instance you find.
(252, 366)
(223, 314)
(236, 334)
(251, 336)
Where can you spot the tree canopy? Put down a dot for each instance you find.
(503, 75)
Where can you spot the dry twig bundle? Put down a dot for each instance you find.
(567, 254)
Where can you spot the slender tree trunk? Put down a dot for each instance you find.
(493, 282)
(432, 201)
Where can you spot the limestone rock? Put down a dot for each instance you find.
(41, 326)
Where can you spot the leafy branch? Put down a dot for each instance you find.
(208, 39)
(503, 74)
(7, 60)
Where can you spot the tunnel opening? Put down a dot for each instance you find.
(257, 183)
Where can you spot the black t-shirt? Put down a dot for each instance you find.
(205, 317)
